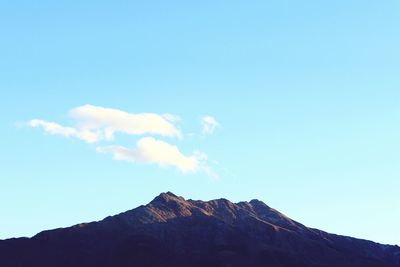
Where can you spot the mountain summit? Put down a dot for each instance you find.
(172, 231)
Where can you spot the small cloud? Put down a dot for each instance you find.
(209, 124)
(152, 151)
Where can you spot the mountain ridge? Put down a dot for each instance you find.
(173, 231)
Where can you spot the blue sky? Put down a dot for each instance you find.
(306, 95)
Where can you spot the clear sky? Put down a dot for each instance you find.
(302, 99)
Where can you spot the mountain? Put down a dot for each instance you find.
(173, 232)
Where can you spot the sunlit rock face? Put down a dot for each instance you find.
(172, 231)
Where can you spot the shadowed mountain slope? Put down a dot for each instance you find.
(172, 231)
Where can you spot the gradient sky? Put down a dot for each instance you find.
(306, 94)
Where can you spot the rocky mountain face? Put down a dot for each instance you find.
(173, 232)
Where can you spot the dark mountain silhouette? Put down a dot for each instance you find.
(173, 232)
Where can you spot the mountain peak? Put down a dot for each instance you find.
(258, 203)
(167, 197)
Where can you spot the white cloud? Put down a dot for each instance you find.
(98, 123)
(150, 150)
(94, 124)
(209, 124)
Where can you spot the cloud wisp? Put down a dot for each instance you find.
(94, 123)
(209, 124)
(57, 129)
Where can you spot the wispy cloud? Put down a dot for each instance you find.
(150, 150)
(209, 124)
(94, 123)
